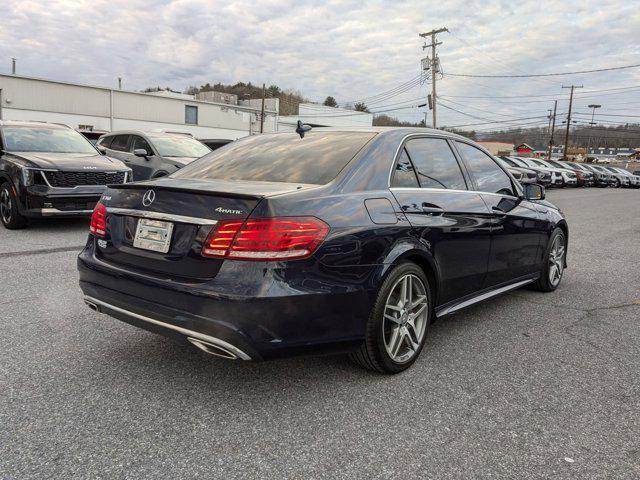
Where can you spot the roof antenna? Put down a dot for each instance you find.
(302, 128)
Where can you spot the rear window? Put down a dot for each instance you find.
(315, 159)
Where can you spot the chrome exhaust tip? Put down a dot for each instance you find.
(93, 306)
(212, 349)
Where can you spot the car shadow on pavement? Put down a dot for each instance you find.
(54, 225)
(154, 358)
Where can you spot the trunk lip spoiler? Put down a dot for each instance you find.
(132, 212)
(184, 189)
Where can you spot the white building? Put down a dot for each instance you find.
(320, 116)
(98, 108)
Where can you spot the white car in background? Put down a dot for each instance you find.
(557, 179)
(569, 176)
(634, 180)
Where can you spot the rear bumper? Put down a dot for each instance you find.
(253, 325)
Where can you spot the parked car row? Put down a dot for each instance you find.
(558, 173)
(49, 170)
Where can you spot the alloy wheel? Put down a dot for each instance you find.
(405, 318)
(556, 260)
(5, 205)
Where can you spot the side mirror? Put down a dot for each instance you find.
(101, 149)
(140, 152)
(533, 191)
(302, 128)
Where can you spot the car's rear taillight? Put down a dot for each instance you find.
(98, 224)
(276, 238)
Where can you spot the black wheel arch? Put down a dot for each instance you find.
(562, 225)
(417, 253)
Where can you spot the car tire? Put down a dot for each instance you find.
(407, 333)
(553, 262)
(9, 214)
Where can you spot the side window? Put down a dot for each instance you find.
(139, 142)
(105, 141)
(120, 143)
(190, 115)
(488, 175)
(435, 163)
(404, 175)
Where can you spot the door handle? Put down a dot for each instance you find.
(431, 209)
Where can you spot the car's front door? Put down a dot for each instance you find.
(143, 168)
(451, 221)
(516, 228)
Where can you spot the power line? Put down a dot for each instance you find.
(501, 121)
(609, 115)
(544, 74)
(389, 93)
(585, 92)
(508, 67)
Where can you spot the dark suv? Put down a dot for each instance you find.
(50, 170)
(152, 154)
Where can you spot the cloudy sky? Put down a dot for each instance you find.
(352, 50)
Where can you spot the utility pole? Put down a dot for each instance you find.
(119, 83)
(553, 129)
(435, 66)
(13, 66)
(566, 136)
(262, 114)
(591, 123)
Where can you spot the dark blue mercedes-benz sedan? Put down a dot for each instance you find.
(350, 240)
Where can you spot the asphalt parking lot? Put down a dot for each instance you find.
(529, 385)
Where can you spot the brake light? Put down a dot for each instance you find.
(276, 238)
(98, 224)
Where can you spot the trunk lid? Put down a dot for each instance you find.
(191, 207)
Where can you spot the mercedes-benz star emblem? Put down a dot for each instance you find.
(148, 198)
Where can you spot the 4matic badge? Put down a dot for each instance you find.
(229, 210)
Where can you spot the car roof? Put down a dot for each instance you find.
(32, 123)
(148, 134)
(383, 130)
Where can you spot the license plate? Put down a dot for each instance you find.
(153, 235)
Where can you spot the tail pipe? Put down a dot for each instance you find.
(212, 349)
(93, 306)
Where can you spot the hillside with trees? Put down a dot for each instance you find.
(289, 98)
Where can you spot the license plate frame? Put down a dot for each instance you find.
(153, 235)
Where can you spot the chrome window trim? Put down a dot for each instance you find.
(161, 216)
(401, 145)
(420, 189)
(429, 189)
(190, 333)
(492, 157)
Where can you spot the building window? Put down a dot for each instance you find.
(190, 115)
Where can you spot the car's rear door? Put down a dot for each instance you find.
(118, 148)
(451, 221)
(516, 226)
